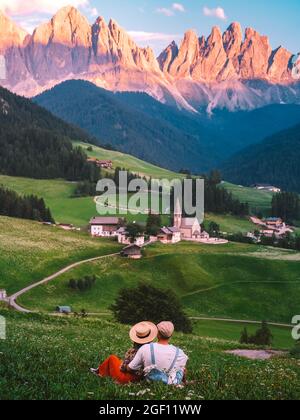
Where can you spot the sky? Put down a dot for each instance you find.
(157, 22)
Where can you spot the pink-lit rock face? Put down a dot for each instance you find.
(10, 34)
(213, 72)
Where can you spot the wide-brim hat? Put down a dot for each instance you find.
(143, 332)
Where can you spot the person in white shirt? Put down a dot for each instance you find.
(161, 357)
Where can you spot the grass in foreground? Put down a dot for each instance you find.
(30, 251)
(49, 358)
(215, 281)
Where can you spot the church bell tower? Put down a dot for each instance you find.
(177, 215)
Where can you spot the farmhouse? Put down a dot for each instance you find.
(266, 187)
(124, 239)
(105, 164)
(275, 222)
(3, 294)
(169, 235)
(132, 251)
(104, 226)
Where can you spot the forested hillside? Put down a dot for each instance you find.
(275, 161)
(137, 124)
(36, 144)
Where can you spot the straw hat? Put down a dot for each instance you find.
(143, 332)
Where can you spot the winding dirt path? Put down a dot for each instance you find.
(12, 299)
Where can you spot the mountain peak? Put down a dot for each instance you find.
(10, 33)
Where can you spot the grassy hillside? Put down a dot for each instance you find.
(128, 162)
(259, 201)
(50, 355)
(217, 281)
(30, 251)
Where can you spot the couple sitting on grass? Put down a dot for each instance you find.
(157, 362)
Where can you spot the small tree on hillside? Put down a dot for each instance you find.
(146, 302)
(263, 336)
(214, 230)
(153, 224)
(244, 337)
(295, 352)
(134, 231)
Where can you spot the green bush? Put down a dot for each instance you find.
(146, 302)
(86, 283)
(295, 352)
(262, 337)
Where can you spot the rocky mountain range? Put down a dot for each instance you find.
(233, 70)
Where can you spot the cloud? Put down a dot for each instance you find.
(156, 40)
(165, 11)
(178, 7)
(140, 36)
(21, 7)
(218, 12)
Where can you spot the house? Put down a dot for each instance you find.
(64, 310)
(104, 226)
(105, 164)
(266, 187)
(3, 294)
(125, 240)
(275, 222)
(169, 235)
(132, 251)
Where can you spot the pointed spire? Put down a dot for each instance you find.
(178, 208)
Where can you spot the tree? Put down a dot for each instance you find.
(263, 336)
(146, 302)
(295, 352)
(244, 337)
(73, 284)
(287, 206)
(153, 224)
(214, 230)
(215, 177)
(134, 230)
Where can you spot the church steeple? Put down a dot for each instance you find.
(177, 214)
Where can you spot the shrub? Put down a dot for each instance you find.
(262, 337)
(83, 284)
(295, 352)
(146, 302)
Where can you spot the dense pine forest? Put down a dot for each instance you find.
(35, 144)
(27, 207)
(275, 161)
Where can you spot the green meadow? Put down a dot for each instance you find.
(128, 162)
(30, 251)
(233, 281)
(43, 357)
(259, 201)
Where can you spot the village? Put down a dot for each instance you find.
(183, 229)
